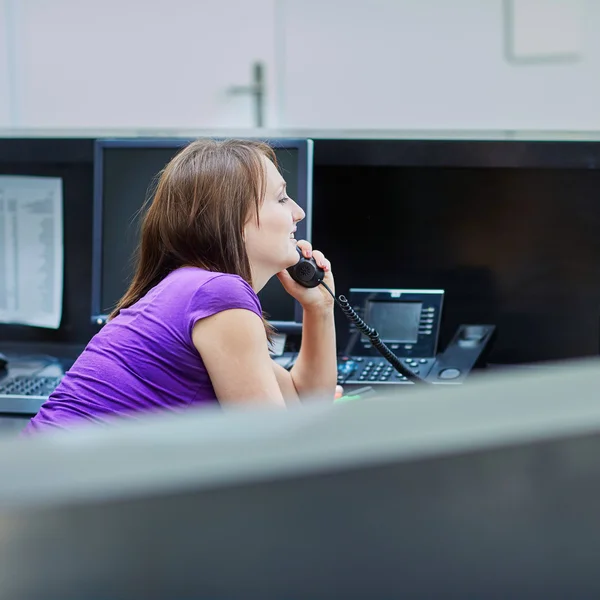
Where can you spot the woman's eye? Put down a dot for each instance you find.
(284, 199)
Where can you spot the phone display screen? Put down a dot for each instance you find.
(395, 321)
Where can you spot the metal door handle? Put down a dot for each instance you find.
(256, 89)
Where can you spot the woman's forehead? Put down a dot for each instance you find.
(274, 178)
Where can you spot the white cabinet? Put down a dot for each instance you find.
(330, 65)
(140, 63)
(5, 66)
(425, 64)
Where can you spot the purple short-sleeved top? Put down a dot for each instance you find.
(144, 360)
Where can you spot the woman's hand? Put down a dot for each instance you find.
(310, 298)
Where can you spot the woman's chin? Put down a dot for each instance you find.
(294, 257)
(289, 259)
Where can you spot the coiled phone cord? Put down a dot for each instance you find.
(373, 336)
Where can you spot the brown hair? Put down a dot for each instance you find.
(203, 199)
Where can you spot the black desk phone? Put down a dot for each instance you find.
(399, 346)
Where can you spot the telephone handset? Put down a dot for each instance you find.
(307, 273)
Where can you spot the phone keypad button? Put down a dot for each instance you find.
(378, 370)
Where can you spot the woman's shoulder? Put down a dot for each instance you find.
(191, 287)
(188, 294)
(203, 293)
(193, 279)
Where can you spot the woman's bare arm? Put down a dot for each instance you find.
(233, 345)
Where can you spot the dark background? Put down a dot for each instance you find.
(509, 229)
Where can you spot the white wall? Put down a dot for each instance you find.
(5, 67)
(426, 64)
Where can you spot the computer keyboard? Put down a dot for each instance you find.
(29, 386)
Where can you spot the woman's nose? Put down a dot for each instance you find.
(298, 214)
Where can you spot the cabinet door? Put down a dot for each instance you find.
(424, 64)
(6, 72)
(140, 64)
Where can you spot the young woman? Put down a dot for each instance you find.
(190, 328)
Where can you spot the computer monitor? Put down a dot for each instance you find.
(124, 171)
(516, 247)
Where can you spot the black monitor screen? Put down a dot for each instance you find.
(395, 321)
(126, 172)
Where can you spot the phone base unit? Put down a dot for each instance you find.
(408, 322)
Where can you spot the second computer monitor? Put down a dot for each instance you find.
(124, 173)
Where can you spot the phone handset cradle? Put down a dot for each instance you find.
(307, 273)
